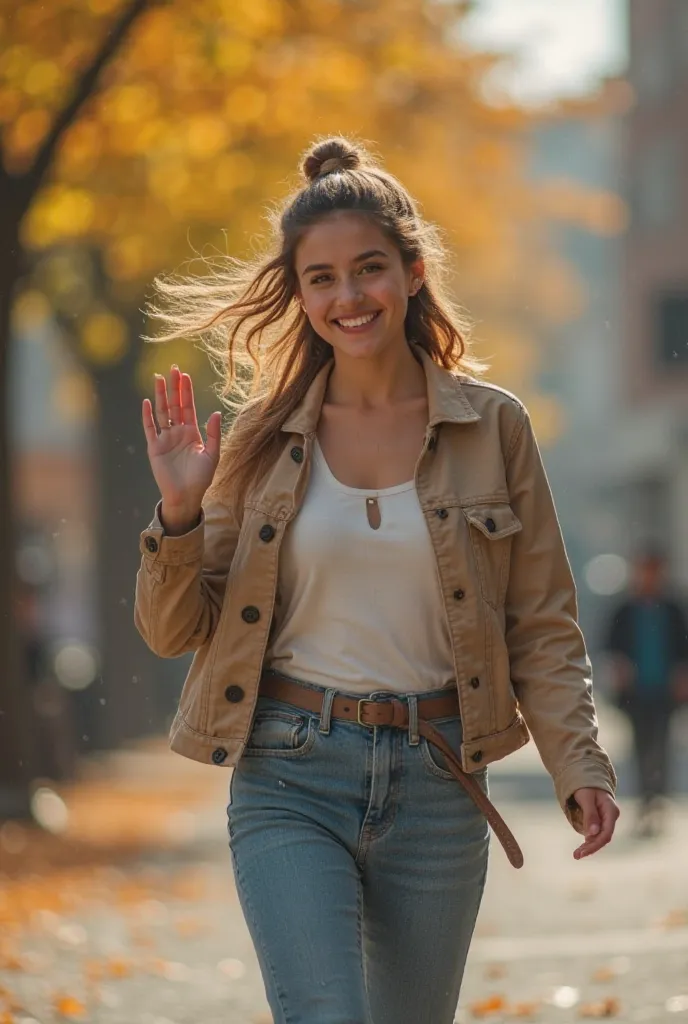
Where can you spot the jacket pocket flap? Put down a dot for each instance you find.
(494, 521)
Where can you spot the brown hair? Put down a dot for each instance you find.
(254, 329)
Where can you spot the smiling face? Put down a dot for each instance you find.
(354, 285)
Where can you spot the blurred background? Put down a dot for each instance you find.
(550, 142)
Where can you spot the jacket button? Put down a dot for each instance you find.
(234, 694)
(491, 525)
(266, 532)
(151, 544)
(459, 595)
(297, 453)
(477, 757)
(475, 682)
(250, 613)
(441, 513)
(219, 755)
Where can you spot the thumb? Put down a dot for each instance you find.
(213, 433)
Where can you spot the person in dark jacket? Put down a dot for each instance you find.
(648, 643)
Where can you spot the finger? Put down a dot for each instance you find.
(591, 846)
(608, 814)
(162, 412)
(213, 432)
(148, 422)
(175, 397)
(592, 823)
(188, 409)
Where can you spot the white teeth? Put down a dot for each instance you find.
(358, 321)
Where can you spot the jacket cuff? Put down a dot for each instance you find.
(157, 547)
(586, 773)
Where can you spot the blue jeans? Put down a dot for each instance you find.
(360, 864)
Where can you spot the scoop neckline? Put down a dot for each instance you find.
(365, 492)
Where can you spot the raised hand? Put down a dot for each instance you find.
(183, 465)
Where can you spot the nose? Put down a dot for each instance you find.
(349, 295)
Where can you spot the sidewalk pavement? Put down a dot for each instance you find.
(129, 914)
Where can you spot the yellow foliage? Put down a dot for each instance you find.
(125, 258)
(246, 104)
(73, 397)
(10, 103)
(31, 309)
(25, 134)
(59, 212)
(104, 338)
(199, 120)
(205, 136)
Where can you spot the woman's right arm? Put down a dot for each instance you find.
(188, 548)
(181, 582)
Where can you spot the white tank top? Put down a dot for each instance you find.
(360, 608)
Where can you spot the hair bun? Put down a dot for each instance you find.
(330, 156)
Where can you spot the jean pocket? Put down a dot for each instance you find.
(432, 757)
(280, 734)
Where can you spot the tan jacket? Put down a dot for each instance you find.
(510, 599)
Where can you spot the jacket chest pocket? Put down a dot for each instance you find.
(491, 529)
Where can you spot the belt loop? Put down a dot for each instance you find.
(326, 711)
(414, 737)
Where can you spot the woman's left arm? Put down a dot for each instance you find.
(550, 669)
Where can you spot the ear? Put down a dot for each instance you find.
(416, 277)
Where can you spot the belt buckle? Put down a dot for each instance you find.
(364, 700)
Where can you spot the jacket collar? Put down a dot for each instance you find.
(447, 402)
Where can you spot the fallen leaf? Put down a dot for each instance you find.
(68, 1006)
(605, 1008)
(118, 968)
(488, 1007)
(12, 963)
(521, 1010)
(675, 919)
(604, 974)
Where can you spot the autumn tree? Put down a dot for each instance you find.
(141, 131)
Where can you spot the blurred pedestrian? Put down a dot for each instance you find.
(648, 643)
(371, 573)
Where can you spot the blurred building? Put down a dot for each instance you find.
(577, 150)
(643, 464)
(52, 430)
(52, 433)
(619, 366)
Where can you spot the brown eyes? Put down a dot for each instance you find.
(324, 277)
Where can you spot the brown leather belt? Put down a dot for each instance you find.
(394, 713)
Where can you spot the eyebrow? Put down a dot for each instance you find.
(357, 259)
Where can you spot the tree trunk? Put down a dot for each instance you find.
(16, 754)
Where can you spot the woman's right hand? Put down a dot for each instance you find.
(183, 466)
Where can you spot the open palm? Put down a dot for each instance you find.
(183, 465)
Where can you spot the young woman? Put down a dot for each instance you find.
(370, 571)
